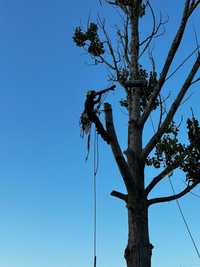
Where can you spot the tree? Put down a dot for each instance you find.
(143, 88)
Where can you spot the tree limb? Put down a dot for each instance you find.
(194, 5)
(102, 60)
(119, 195)
(172, 197)
(159, 177)
(171, 54)
(124, 40)
(182, 63)
(156, 137)
(110, 47)
(119, 158)
(195, 81)
(154, 33)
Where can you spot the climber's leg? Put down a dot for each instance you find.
(100, 129)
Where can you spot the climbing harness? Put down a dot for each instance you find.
(86, 124)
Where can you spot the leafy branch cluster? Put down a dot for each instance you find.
(89, 39)
(129, 4)
(151, 79)
(170, 152)
(147, 92)
(192, 162)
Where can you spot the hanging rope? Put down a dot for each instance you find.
(184, 220)
(88, 143)
(95, 170)
(181, 211)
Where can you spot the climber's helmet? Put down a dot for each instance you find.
(91, 93)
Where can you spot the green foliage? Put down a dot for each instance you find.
(152, 81)
(191, 164)
(92, 32)
(130, 3)
(169, 151)
(89, 39)
(123, 75)
(79, 37)
(96, 48)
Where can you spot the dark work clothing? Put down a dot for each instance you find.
(99, 127)
(90, 103)
(92, 116)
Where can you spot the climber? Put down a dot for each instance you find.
(89, 114)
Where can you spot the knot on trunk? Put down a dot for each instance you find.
(140, 247)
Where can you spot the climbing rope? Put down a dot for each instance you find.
(88, 143)
(87, 129)
(95, 170)
(181, 210)
(184, 220)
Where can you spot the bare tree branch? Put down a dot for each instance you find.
(160, 177)
(102, 60)
(171, 54)
(172, 197)
(119, 158)
(154, 33)
(153, 26)
(194, 5)
(161, 112)
(195, 81)
(119, 195)
(124, 8)
(156, 137)
(161, 103)
(110, 47)
(182, 63)
(124, 40)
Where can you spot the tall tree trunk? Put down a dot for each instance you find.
(139, 250)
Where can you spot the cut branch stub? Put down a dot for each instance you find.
(119, 195)
(117, 152)
(136, 83)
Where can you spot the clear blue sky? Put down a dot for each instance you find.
(45, 185)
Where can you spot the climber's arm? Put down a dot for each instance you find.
(96, 101)
(106, 90)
